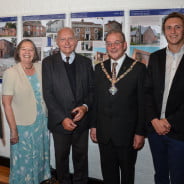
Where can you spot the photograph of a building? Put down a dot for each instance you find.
(6, 48)
(113, 25)
(8, 30)
(144, 35)
(141, 56)
(53, 26)
(33, 29)
(100, 57)
(86, 45)
(87, 30)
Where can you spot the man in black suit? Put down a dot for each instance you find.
(120, 123)
(165, 103)
(68, 93)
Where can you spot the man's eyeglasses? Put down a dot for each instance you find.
(116, 43)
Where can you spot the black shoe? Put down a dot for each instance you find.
(49, 181)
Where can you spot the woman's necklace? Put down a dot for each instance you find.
(28, 68)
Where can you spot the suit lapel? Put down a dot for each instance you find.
(80, 77)
(107, 65)
(178, 73)
(78, 74)
(125, 65)
(162, 68)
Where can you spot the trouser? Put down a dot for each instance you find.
(117, 161)
(79, 144)
(168, 159)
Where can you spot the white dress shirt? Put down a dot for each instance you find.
(172, 63)
(119, 63)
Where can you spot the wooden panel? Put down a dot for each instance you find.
(4, 174)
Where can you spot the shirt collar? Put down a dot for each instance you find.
(119, 61)
(181, 51)
(72, 57)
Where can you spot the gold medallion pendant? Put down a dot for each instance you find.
(113, 89)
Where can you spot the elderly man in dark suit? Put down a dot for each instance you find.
(165, 103)
(68, 93)
(120, 122)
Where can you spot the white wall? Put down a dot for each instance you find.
(144, 167)
(26, 7)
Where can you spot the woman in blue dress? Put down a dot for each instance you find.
(25, 112)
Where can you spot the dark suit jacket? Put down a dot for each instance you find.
(58, 94)
(155, 82)
(121, 116)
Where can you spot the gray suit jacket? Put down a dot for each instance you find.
(58, 94)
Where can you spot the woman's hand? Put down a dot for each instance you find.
(7, 103)
(14, 138)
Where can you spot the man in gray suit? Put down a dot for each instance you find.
(68, 93)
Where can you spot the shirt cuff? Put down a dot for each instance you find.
(86, 106)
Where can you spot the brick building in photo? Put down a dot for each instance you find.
(33, 29)
(87, 30)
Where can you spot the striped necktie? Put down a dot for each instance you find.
(67, 59)
(114, 71)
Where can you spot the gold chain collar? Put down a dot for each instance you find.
(121, 76)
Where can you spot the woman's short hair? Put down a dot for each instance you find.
(17, 51)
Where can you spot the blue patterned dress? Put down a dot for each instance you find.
(30, 158)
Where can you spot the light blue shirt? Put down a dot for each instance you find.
(72, 57)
